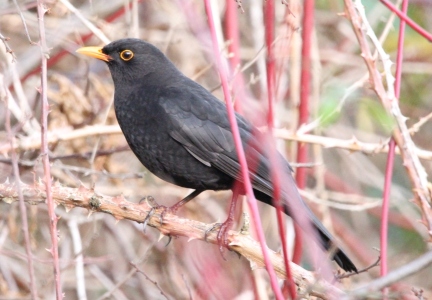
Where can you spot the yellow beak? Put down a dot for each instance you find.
(95, 52)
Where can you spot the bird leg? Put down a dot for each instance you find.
(222, 236)
(173, 209)
(185, 200)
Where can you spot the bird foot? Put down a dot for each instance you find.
(222, 235)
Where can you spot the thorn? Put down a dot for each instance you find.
(191, 239)
(68, 208)
(49, 250)
(253, 265)
(161, 236)
(89, 214)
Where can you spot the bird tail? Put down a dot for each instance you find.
(326, 239)
(339, 255)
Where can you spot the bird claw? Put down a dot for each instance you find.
(147, 218)
(169, 240)
(222, 235)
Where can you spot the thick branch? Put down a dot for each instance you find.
(171, 225)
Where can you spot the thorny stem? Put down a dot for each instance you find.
(45, 151)
(401, 134)
(172, 225)
(23, 210)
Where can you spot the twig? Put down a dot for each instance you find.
(390, 156)
(107, 282)
(410, 22)
(79, 259)
(416, 127)
(415, 170)
(149, 279)
(23, 210)
(347, 275)
(67, 134)
(23, 21)
(276, 178)
(44, 150)
(187, 286)
(355, 202)
(171, 225)
(8, 49)
(352, 144)
(96, 31)
(115, 287)
(394, 276)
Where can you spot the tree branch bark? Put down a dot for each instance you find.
(240, 242)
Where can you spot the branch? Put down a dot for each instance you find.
(41, 11)
(67, 134)
(394, 276)
(170, 225)
(417, 174)
(352, 144)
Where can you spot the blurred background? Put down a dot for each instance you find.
(343, 187)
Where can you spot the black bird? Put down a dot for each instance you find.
(180, 132)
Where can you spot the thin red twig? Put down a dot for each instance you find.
(404, 17)
(241, 154)
(305, 78)
(45, 151)
(232, 34)
(385, 208)
(269, 19)
(391, 154)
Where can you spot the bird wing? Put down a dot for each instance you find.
(200, 123)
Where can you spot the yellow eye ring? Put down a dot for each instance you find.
(126, 55)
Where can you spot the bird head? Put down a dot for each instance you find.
(133, 61)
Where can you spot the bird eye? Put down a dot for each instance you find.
(126, 55)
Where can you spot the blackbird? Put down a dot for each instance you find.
(180, 132)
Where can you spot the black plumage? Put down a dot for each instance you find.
(180, 132)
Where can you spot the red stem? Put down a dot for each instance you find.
(269, 17)
(241, 155)
(45, 151)
(403, 16)
(391, 154)
(232, 34)
(308, 15)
